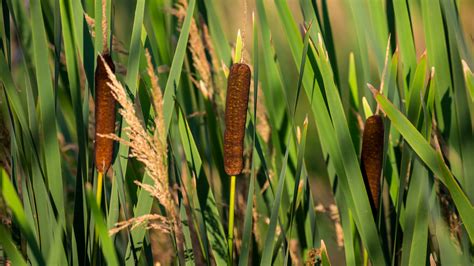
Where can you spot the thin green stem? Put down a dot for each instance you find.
(98, 198)
(230, 238)
(99, 188)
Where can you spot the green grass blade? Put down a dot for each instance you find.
(405, 36)
(464, 122)
(238, 48)
(299, 171)
(9, 247)
(217, 34)
(47, 108)
(172, 83)
(469, 79)
(74, 83)
(415, 232)
(247, 230)
(454, 27)
(214, 229)
(437, 51)
(267, 252)
(13, 202)
(107, 246)
(135, 47)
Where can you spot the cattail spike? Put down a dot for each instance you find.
(104, 114)
(238, 87)
(372, 156)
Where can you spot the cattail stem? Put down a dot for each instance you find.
(230, 237)
(98, 199)
(99, 188)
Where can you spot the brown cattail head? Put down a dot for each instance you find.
(104, 114)
(238, 87)
(372, 156)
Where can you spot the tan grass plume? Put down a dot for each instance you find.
(152, 152)
(147, 149)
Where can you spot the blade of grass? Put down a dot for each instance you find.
(9, 247)
(74, 84)
(299, 169)
(135, 47)
(215, 232)
(217, 34)
(405, 35)
(463, 124)
(247, 230)
(266, 258)
(415, 232)
(13, 202)
(448, 253)
(47, 108)
(172, 83)
(101, 227)
(469, 79)
(437, 52)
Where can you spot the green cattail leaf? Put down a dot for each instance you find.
(238, 48)
(9, 247)
(172, 83)
(469, 78)
(367, 110)
(209, 212)
(108, 249)
(267, 252)
(47, 108)
(353, 82)
(13, 202)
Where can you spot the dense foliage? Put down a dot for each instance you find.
(308, 193)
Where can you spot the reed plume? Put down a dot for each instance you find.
(147, 149)
(152, 152)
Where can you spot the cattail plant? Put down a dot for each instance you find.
(238, 87)
(235, 116)
(372, 156)
(104, 109)
(104, 119)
